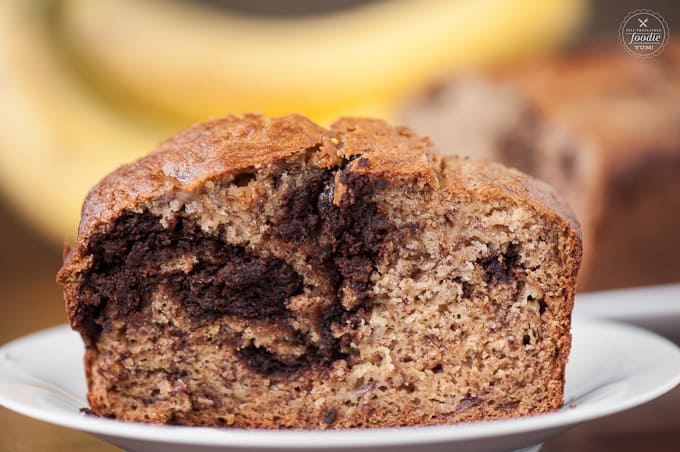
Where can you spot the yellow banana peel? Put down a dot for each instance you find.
(186, 59)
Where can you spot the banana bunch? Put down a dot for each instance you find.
(86, 85)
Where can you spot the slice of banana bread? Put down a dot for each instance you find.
(271, 273)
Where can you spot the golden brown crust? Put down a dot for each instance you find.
(392, 151)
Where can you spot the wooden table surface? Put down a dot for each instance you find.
(30, 300)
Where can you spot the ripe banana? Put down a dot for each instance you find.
(56, 138)
(190, 61)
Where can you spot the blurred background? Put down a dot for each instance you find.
(545, 86)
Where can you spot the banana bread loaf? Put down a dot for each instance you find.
(275, 274)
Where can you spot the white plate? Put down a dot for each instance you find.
(612, 367)
(655, 307)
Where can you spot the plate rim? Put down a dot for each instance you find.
(309, 439)
(623, 305)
